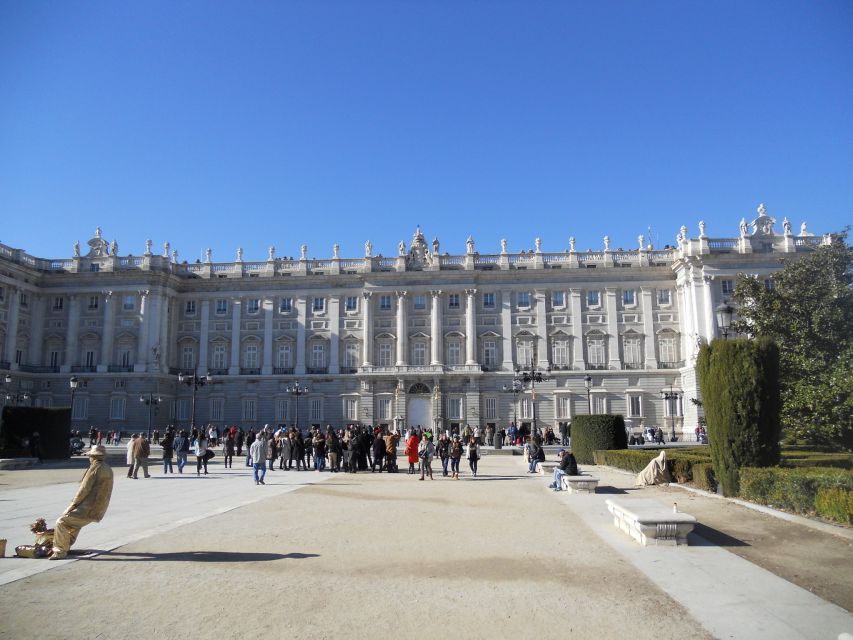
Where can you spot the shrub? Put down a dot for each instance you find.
(739, 380)
(591, 432)
(816, 459)
(53, 426)
(680, 462)
(791, 489)
(627, 459)
(703, 476)
(835, 503)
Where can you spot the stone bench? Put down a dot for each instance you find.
(546, 468)
(649, 522)
(579, 484)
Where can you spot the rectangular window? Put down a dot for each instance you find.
(25, 300)
(129, 303)
(119, 384)
(558, 299)
(124, 357)
(664, 297)
(221, 307)
(351, 355)
(93, 302)
(19, 356)
(490, 353)
(385, 303)
(250, 409)
(526, 408)
(522, 299)
(351, 408)
(318, 305)
(491, 408)
(595, 351)
(189, 309)
(316, 409)
(117, 408)
(454, 353)
(561, 353)
(635, 406)
(187, 357)
(769, 285)
(220, 357)
(54, 358)
(524, 353)
(384, 354)
(283, 359)
(251, 356)
(563, 406)
(285, 305)
(453, 301)
(632, 351)
(420, 303)
(318, 356)
(254, 306)
(454, 408)
(629, 297)
(90, 358)
(599, 404)
(217, 409)
(419, 353)
(57, 303)
(488, 300)
(182, 409)
(282, 410)
(351, 303)
(80, 410)
(593, 298)
(668, 351)
(383, 408)
(727, 287)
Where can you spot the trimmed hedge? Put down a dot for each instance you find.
(703, 477)
(835, 503)
(592, 432)
(679, 461)
(816, 459)
(53, 426)
(797, 489)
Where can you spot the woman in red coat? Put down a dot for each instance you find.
(412, 450)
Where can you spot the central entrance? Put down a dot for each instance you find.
(419, 407)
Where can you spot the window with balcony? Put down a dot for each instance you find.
(384, 350)
(285, 305)
(488, 300)
(351, 303)
(187, 357)
(419, 353)
(453, 301)
(351, 355)
(490, 353)
(220, 356)
(454, 352)
(668, 347)
(522, 299)
(560, 352)
(558, 299)
(221, 308)
(632, 348)
(283, 359)
(524, 352)
(189, 308)
(318, 355)
(250, 356)
(596, 352)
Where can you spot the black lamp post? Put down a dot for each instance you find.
(151, 401)
(724, 313)
(671, 397)
(587, 381)
(73, 383)
(296, 390)
(530, 376)
(515, 388)
(16, 397)
(195, 381)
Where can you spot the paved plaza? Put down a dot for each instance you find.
(319, 555)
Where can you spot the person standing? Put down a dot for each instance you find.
(229, 451)
(130, 444)
(378, 454)
(412, 444)
(258, 455)
(168, 446)
(473, 455)
(89, 504)
(141, 451)
(319, 451)
(426, 451)
(455, 456)
(442, 450)
(240, 438)
(201, 453)
(272, 448)
(250, 439)
(182, 450)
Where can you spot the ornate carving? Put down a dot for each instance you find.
(702, 229)
(98, 247)
(368, 249)
(336, 250)
(148, 245)
(572, 244)
(271, 253)
(763, 224)
(503, 245)
(303, 252)
(469, 243)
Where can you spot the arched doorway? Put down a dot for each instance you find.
(419, 406)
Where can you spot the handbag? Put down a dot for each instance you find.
(209, 454)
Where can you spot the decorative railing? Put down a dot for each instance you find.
(119, 368)
(37, 368)
(83, 368)
(250, 371)
(282, 371)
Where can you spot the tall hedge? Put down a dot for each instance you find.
(53, 426)
(740, 389)
(592, 432)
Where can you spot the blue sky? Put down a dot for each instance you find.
(214, 124)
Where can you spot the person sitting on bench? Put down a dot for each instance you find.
(568, 467)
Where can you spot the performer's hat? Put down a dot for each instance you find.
(97, 451)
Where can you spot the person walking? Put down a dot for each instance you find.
(455, 456)
(473, 455)
(442, 450)
(130, 444)
(168, 444)
(426, 451)
(141, 451)
(258, 454)
(250, 439)
(201, 453)
(240, 438)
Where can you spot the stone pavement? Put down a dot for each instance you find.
(383, 556)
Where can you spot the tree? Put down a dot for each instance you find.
(808, 312)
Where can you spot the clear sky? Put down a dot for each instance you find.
(226, 124)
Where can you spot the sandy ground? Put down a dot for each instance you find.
(365, 555)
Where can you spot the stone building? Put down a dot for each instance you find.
(419, 338)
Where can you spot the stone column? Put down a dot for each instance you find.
(708, 309)
(506, 329)
(646, 294)
(541, 329)
(165, 338)
(266, 364)
(107, 332)
(612, 329)
(402, 330)
(204, 338)
(12, 326)
(367, 333)
(435, 328)
(155, 304)
(73, 333)
(470, 327)
(37, 337)
(142, 337)
(578, 362)
(234, 364)
(334, 334)
(301, 319)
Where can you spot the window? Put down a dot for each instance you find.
(124, 356)
(595, 351)
(490, 353)
(384, 354)
(282, 410)
(318, 305)
(94, 267)
(351, 408)
(19, 356)
(57, 303)
(119, 384)
(283, 358)
(454, 352)
(593, 298)
(351, 355)
(182, 409)
(383, 408)
(385, 303)
(250, 357)
(285, 305)
(129, 303)
(25, 300)
(664, 297)
(560, 351)
(420, 302)
(419, 353)
(221, 307)
(668, 348)
(524, 352)
(254, 305)
(93, 303)
(316, 409)
(769, 285)
(629, 297)
(635, 406)
(2, 294)
(563, 406)
(522, 299)
(599, 404)
(558, 299)
(727, 287)
(220, 357)
(80, 410)
(117, 408)
(318, 355)
(351, 303)
(217, 409)
(187, 357)
(250, 409)
(633, 354)
(526, 408)
(189, 309)
(453, 301)
(454, 408)
(488, 300)
(490, 409)
(54, 358)
(90, 358)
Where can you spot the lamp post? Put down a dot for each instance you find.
(195, 381)
(724, 313)
(515, 388)
(529, 376)
(587, 381)
(73, 383)
(16, 397)
(671, 397)
(151, 402)
(296, 390)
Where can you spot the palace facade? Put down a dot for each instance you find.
(420, 338)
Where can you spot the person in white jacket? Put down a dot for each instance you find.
(258, 452)
(130, 444)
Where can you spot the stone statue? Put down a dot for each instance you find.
(175, 256)
(113, 248)
(538, 243)
(804, 231)
(607, 243)
(89, 505)
(786, 226)
(303, 252)
(148, 245)
(336, 250)
(271, 253)
(166, 250)
(239, 254)
(683, 233)
(572, 244)
(762, 210)
(208, 254)
(702, 229)
(470, 244)
(77, 249)
(401, 248)
(98, 233)
(435, 246)
(744, 230)
(368, 249)
(503, 245)
(642, 241)
(155, 350)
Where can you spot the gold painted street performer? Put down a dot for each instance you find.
(89, 505)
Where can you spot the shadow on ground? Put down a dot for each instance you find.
(705, 536)
(198, 556)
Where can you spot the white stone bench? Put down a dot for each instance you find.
(546, 468)
(579, 484)
(649, 522)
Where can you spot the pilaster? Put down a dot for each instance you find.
(334, 334)
(301, 319)
(470, 327)
(266, 364)
(236, 316)
(402, 330)
(541, 329)
(578, 362)
(612, 329)
(204, 338)
(107, 332)
(435, 328)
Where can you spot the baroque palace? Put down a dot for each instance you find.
(420, 338)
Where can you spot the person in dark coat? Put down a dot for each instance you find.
(286, 446)
(378, 454)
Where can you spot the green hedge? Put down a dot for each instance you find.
(679, 461)
(593, 432)
(703, 477)
(53, 426)
(835, 503)
(797, 489)
(816, 459)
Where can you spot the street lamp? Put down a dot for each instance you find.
(195, 381)
(16, 397)
(514, 389)
(671, 397)
(73, 383)
(587, 381)
(151, 402)
(530, 376)
(724, 317)
(295, 390)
